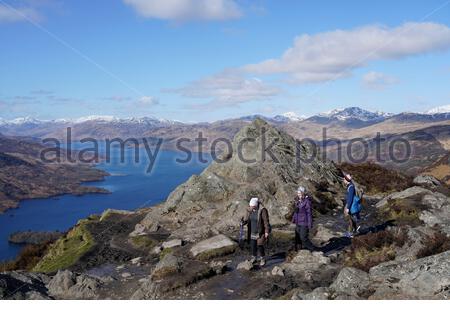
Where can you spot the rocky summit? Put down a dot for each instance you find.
(188, 248)
(262, 162)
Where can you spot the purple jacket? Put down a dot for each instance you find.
(302, 214)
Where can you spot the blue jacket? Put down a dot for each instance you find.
(350, 195)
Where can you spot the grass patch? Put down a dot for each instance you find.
(142, 242)
(165, 252)
(377, 179)
(27, 259)
(66, 251)
(372, 249)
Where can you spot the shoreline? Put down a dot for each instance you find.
(79, 190)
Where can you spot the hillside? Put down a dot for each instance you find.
(24, 176)
(186, 248)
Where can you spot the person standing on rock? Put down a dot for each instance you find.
(257, 220)
(351, 209)
(302, 218)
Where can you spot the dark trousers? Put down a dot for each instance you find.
(353, 220)
(302, 238)
(256, 249)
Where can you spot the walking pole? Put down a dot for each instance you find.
(241, 235)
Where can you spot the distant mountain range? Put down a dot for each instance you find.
(349, 115)
(344, 124)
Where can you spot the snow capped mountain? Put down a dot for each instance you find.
(289, 116)
(93, 118)
(440, 109)
(23, 120)
(355, 113)
(96, 118)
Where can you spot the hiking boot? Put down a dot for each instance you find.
(262, 263)
(348, 234)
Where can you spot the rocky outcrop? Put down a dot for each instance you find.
(213, 247)
(20, 285)
(323, 234)
(351, 281)
(407, 193)
(427, 181)
(433, 207)
(68, 285)
(263, 163)
(169, 264)
(311, 267)
(426, 278)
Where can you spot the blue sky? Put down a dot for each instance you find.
(203, 60)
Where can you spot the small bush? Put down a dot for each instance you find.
(369, 250)
(27, 258)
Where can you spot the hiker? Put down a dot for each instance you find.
(352, 207)
(302, 218)
(257, 220)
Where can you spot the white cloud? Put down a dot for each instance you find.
(228, 88)
(147, 101)
(378, 80)
(183, 10)
(331, 55)
(12, 14)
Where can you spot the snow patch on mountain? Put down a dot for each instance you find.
(292, 116)
(355, 113)
(438, 110)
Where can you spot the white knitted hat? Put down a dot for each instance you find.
(254, 202)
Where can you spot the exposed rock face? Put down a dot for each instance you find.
(417, 240)
(68, 285)
(438, 212)
(310, 267)
(408, 193)
(33, 237)
(169, 264)
(434, 206)
(147, 291)
(213, 247)
(172, 243)
(324, 234)
(262, 163)
(426, 278)
(426, 180)
(18, 285)
(351, 281)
